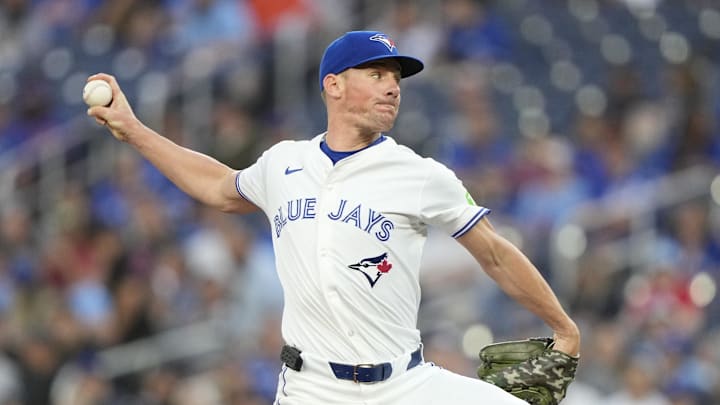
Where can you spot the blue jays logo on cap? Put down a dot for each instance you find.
(357, 47)
(385, 40)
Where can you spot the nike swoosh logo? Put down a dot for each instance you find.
(291, 171)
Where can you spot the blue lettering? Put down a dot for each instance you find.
(383, 235)
(280, 222)
(309, 209)
(293, 209)
(337, 215)
(373, 219)
(372, 222)
(354, 215)
(300, 208)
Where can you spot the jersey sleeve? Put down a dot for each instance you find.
(446, 204)
(251, 182)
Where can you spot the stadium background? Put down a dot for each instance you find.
(590, 127)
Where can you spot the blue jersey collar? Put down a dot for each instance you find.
(338, 156)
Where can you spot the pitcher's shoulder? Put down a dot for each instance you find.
(291, 146)
(409, 156)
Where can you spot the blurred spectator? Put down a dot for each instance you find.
(17, 242)
(599, 284)
(591, 137)
(417, 33)
(226, 25)
(581, 393)
(218, 255)
(689, 246)
(646, 129)
(548, 189)
(16, 32)
(34, 113)
(603, 356)
(132, 319)
(639, 385)
(111, 198)
(474, 32)
(473, 141)
(90, 302)
(10, 383)
(199, 389)
(694, 139)
(77, 384)
(696, 143)
(176, 299)
(135, 24)
(262, 365)
(237, 136)
(270, 15)
(137, 189)
(38, 364)
(159, 385)
(625, 91)
(696, 379)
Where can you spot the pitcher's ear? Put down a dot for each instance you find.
(332, 85)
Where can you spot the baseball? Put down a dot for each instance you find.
(97, 93)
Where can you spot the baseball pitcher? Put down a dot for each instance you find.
(349, 211)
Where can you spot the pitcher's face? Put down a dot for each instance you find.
(372, 94)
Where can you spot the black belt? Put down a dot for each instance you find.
(359, 373)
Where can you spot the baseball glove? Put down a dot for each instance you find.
(529, 369)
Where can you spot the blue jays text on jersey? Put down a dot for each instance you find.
(363, 218)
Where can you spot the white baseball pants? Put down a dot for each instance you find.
(425, 384)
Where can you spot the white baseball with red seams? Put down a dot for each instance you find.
(97, 93)
(348, 241)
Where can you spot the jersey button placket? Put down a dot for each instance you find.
(327, 198)
(330, 199)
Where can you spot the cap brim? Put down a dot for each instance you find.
(409, 65)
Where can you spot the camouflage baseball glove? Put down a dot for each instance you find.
(529, 369)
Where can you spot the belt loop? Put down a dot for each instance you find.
(415, 358)
(291, 357)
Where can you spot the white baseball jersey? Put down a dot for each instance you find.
(348, 241)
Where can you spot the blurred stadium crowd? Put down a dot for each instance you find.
(589, 127)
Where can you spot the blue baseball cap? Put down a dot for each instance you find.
(357, 47)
